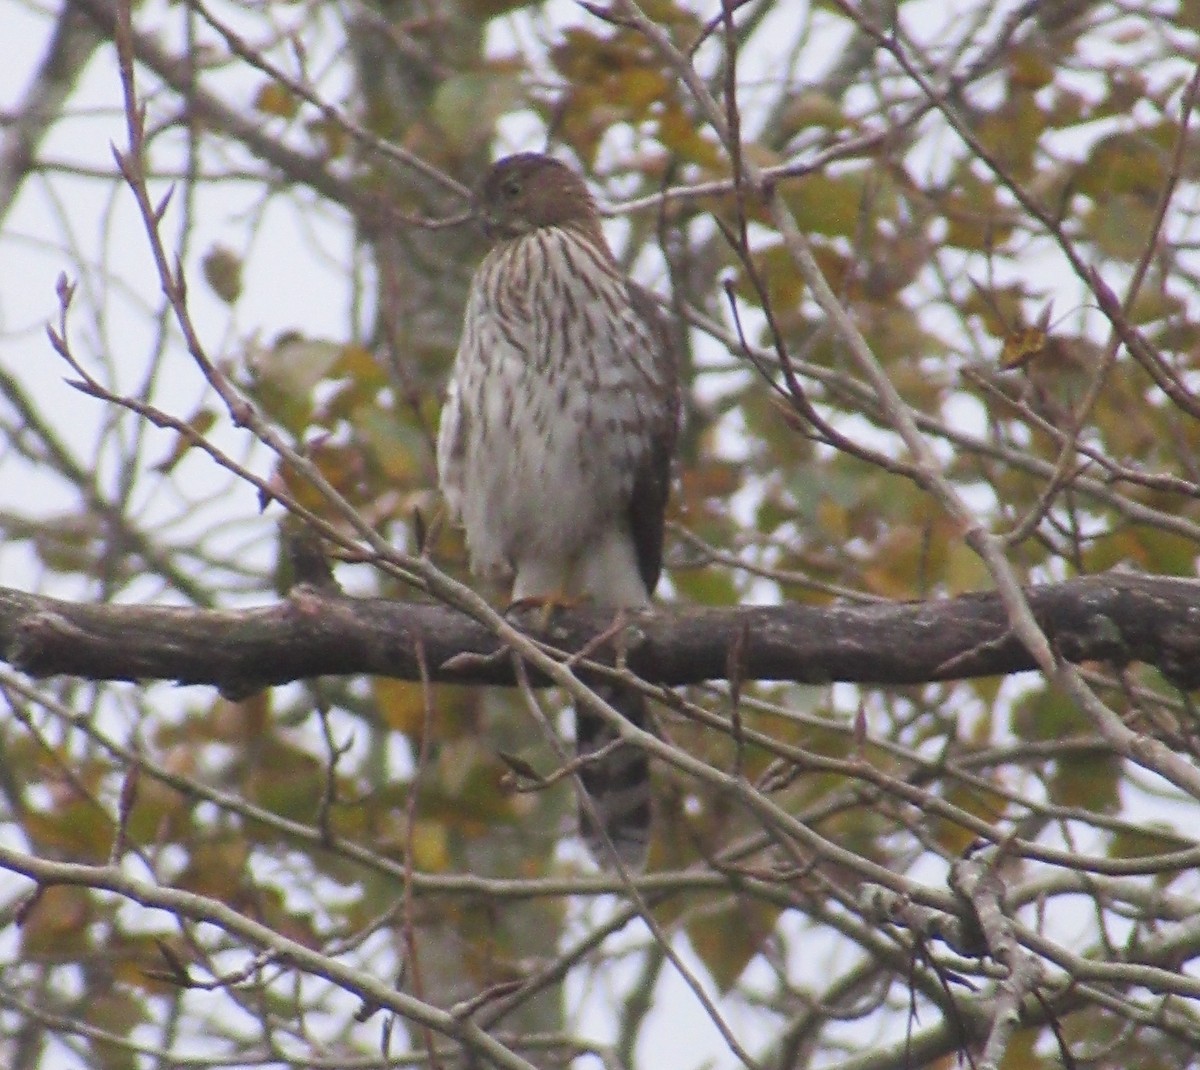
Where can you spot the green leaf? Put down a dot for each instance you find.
(77, 829)
(1124, 163)
(1045, 715)
(1121, 225)
(466, 106)
(824, 204)
(1089, 781)
(223, 272)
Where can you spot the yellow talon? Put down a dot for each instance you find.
(548, 603)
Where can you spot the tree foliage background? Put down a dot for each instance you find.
(934, 269)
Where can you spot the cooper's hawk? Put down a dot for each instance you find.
(556, 438)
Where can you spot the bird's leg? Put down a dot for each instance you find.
(549, 604)
(598, 640)
(542, 582)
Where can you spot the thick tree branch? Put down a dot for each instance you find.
(1116, 617)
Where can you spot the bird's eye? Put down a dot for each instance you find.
(511, 188)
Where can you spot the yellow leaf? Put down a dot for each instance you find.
(274, 99)
(331, 135)
(430, 852)
(489, 9)
(216, 868)
(1020, 1053)
(400, 450)
(1021, 347)
(811, 108)
(240, 722)
(201, 422)
(998, 308)
(460, 760)
(117, 1013)
(1138, 843)
(55, 928)
(956, 836)
(640, 87)
(726, 938)
(294, 363)
(1029, 68)
(401, 704)
(359, 363)
(679, 134)
(964, 570)
(1011, 132)
(284, 778)
(974, 218)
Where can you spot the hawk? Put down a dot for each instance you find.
(555, 443)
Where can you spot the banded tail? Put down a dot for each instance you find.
(618, 785)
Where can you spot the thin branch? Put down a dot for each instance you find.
(201, 908)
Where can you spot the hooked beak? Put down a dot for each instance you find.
(498, 227)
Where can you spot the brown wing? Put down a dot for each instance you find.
(652, 482)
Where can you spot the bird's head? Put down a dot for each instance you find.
(523, 193)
